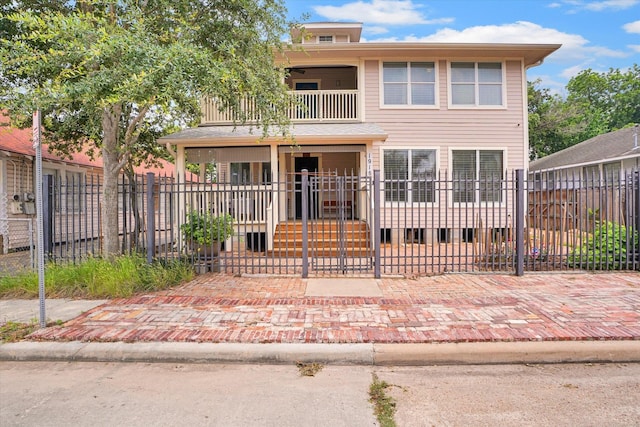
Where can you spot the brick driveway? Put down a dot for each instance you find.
(449, 308)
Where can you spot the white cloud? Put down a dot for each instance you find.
(557, 87)
(596, 6)
(632, 27)
(387, 12)
(634, 47)
(570, 72)
(574, 46)
(375, 30)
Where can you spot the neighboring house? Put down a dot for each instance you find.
(414, 111)
(596, 160)
(76, 176)
(587, 181)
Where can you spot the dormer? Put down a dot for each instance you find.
(328, 33)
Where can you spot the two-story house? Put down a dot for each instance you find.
(417, 112)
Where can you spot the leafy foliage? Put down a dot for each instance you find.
(595, 103)
(204, 227)
(609, 248)
(110, 76)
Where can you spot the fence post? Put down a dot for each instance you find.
(151, 219)
(520, 216)
(304, 200)
(636, 249)
(47, 215)
(376, 224)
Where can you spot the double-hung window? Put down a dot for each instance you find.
(477, 176)
(409, 175)
(476, 83)
(409, 83)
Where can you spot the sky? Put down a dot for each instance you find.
(595, 34)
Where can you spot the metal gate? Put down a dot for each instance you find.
(337, 215)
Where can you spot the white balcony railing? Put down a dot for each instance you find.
(309, 106)
(246, 203)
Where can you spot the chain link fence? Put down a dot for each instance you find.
(17, 245)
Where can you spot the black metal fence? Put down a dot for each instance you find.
(339, 223)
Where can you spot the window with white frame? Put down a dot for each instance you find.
(325, 39)
(476, 83)
(409, 83)
(409, 175)
(477, 176)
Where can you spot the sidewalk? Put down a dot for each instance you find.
(451, 314)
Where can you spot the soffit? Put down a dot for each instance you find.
(530, 53)
(336, 132)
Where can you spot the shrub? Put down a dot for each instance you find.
(610, 247)
(204, 227)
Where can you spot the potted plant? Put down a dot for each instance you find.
(206, 233)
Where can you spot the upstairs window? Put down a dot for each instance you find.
(325, 39)
(409, 83)
(476, 83)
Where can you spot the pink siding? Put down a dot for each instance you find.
(443, 128)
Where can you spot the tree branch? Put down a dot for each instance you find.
(132, 125)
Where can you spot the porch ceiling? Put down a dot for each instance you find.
(315, 131)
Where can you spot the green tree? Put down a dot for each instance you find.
(596, 103)
(554, 124)
(110, 75)
(608, 100)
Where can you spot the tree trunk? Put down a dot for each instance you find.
(110, 159)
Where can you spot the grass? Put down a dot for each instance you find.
(16, 331)
(98, 278)
(384, 406)
(309, 369)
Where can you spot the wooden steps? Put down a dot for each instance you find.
(324, 238)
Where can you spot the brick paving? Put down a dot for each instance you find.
(448, 308)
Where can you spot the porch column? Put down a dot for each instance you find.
(180, 164)
(273, 216)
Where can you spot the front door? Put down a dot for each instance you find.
(310, 164)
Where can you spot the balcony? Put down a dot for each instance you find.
(309, 106)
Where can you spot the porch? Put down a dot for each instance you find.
(317, 94)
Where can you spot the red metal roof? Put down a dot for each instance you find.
(20, 141)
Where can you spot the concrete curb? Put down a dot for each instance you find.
(336, 354)
(480, 353)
